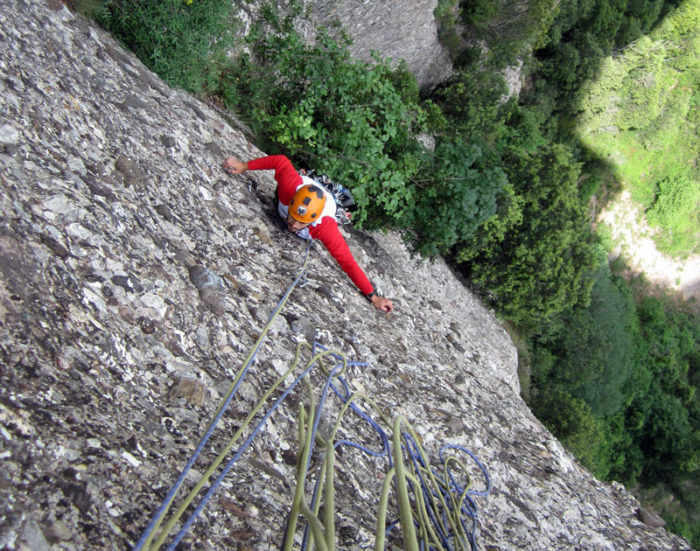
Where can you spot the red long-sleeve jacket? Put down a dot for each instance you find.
(325, 230)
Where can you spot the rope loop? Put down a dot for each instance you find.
(436, 508)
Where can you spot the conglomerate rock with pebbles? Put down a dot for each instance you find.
(135, 278)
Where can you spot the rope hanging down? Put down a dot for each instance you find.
(436, 512)
(145, 541)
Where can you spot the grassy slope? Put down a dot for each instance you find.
(640, 115)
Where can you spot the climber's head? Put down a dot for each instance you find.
(305, 207)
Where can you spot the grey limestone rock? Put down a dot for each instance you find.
(396, 29)
(111, 368)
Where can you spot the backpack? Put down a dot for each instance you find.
(341, 195)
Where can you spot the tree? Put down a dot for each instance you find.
(671, 339)
(458, 194)
(185, 43)
(667, 441)
(572, 422)
(546, 258)
(597, 346)
(675, 210)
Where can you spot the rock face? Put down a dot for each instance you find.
(398, 29)
(135, 279)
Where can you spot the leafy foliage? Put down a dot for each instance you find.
(354, 120)
(183, 42)
(460, 195)
(544, 261)
(571, 420)
(470, 102)
(630, 364)
(594, 346)
(445, 17)
(676, 209)
(588, 352)
(510, 27)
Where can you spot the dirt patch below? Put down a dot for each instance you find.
(633, 240)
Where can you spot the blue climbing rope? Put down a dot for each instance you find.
(153, 525)
(442, 513)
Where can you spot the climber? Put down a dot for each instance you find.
(309, 211)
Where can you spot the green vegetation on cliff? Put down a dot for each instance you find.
(641, 114)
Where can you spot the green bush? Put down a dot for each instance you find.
(90, 8)
(632, 364)
(353, 120)
(456, 193)
(184, 42)
(470, 102)
(675, 209)
(543, 262)
(596, 346)
(445, 17)
(571, 421)
(510, 29)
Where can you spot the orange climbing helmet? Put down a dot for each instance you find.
(307, 204)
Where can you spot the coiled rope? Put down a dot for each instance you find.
(435, 511)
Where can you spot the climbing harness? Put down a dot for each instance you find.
(436, 508)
